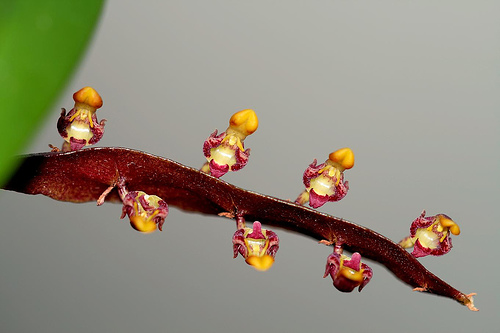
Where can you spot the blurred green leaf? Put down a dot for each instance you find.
(41, 43)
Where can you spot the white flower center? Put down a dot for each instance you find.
(223, 155)
(79, 130)
(427, 238)
(323, 185)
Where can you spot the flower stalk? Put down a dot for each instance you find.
(105, 173)
(194, 191)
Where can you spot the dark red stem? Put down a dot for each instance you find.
(84, 175)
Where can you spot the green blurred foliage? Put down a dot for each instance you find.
(41, 43)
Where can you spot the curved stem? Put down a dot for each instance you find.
(84, 175)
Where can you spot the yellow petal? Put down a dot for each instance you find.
(449, 223)
(139, 223)
(344, 157)
(244, 122)
(260, 263)
(351, 274)
(88, 96)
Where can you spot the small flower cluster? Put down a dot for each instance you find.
(80, 128)
(225, 152)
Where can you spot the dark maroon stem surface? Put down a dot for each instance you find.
(82, 176)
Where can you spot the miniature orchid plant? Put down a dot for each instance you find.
(144, 184)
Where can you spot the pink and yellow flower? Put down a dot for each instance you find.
(346, 272)
(226, 151)
(145, 212)
(325, 182)
(258, 246)
(431, 235)
(79, 128)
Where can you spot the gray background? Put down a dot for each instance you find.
(410, 86)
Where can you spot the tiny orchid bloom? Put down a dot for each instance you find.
(325, 182)
(225, 152)
(79, 127)
(431, 235)
(144, 211)
(258, 246)
(346, 272)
